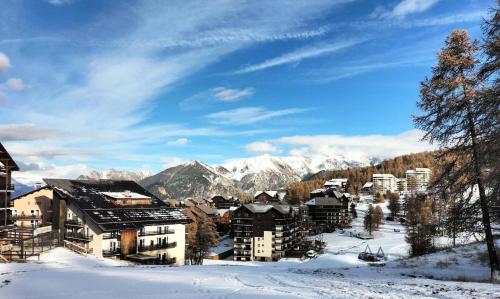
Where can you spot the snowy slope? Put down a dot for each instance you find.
(336, 274)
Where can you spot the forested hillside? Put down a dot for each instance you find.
(298, 191)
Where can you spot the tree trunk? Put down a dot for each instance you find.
(490, 243)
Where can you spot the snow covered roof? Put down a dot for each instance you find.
(368, 185)
(263, 208)
(125, 194)
(336, 182)
(323, 201)
(270, 193)
(89, 196)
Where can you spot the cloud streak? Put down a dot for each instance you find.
(249, 115)
(297, 56)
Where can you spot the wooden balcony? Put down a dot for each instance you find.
(78, 237)
(155, 233)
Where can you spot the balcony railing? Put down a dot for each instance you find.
(7, 188)
(157, 246)
(155, 233)
(73, 222)
(26, 217)
(78, 236)
(109, 253)
(108, 236)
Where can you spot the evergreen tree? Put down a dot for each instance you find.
(419, 225)
(463, 123)
(369, 220)
(394, 205)
(354, 214)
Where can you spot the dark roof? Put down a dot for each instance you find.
(206, 209)
(324, 201)
(30, 192)
(5, 157)
(264, 208)
(87, 196)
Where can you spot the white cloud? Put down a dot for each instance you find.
(60, 2)
(380, 146)
(249, 115)
(231, 95)
(27, 132)
(298, 55)
(36, 174)
(261, 147)
(4, 63)
(179, 142)
(15, 84)
(404, 8)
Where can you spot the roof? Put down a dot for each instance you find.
(30, 192)
(125, 194)
(89, 196)
(324, 201)
(368, 185)
(270, 193)
(264, 208)
(5, 157)
(207, 210)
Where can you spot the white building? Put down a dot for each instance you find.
(119, 219)
(383, 182)
(402, 184)
(418, 178)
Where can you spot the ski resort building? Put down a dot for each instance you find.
(328, 208)
(33, 209)
(220, 202)
(7, 166)
(264, 232)
(402, 184)
(383, 182)
(339, 184)
(418, 178)
(108, 218)
(270, 196)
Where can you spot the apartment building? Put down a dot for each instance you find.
(418, 179)
(264, 232)
(109, 218)
(402, 184)
(33, 209)
(383, 182)
(220, 202)
(339, 184)
(271, 196)
(328, 208)
(7, 166)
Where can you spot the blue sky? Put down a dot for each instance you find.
(134, 84)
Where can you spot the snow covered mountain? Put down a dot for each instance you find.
(192, 179)
(113, 174)
(265, 172)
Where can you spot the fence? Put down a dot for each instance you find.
(20, 244)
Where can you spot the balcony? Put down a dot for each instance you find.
(156, 233)
(157, 247)
(7, 187)
(73, 222)
(78, 237)
(26, 217)
(110, 253)
(108, 236)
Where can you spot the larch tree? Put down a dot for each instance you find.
(465, 125)
(394, 206)
(378, 216)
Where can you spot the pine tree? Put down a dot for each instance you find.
(463, 123)
(394, 205)
(369, 220)
(419, 225)
(354, 214)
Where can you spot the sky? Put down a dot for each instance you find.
(149, 84)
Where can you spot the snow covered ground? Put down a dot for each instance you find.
(336, 274)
